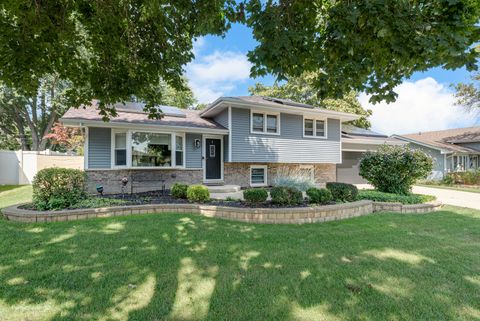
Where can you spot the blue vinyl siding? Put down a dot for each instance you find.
(288, 147)
(438, 161)
(99, 147)
(474, 146)
(222, 118)
(193, 155)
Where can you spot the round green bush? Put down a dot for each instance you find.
(58, 188)
(282, 195)
(255, 195)
(179, 190)
(343, 192)
(198, 193)
(394, 169)
(319, 195)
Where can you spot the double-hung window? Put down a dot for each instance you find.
(120, 149)
(314, 127)
(265, 123)
(179, 150)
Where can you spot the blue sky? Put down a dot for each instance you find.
(425, 101)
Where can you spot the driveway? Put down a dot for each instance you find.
(451, 197)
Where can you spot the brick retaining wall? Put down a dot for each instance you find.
(297, 215)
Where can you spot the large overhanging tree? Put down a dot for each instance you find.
(111, 50)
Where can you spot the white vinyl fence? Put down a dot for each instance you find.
(19, 167)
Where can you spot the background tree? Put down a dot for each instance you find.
(8, 142)
(111, 50)
(170, 96)
(302, 90)
(32, 117)
(468, 94)
(67, 139)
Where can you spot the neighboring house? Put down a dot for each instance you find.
(355, 142)
(245, 141)
(453, 150)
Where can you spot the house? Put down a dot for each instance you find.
(452, 149)
(355, 142)
(245, 141)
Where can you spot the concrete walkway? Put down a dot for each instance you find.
(451, 197)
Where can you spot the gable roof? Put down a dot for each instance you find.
(131, 114)
(446, 140)
(278, 104)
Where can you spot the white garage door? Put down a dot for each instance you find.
(347, 171)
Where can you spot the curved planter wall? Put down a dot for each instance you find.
(294, 215)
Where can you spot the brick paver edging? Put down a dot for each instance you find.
(297, 215)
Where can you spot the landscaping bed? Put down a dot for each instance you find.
(374, 195)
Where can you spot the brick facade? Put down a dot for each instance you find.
(140, 180)
(151, 179)
(239, 173)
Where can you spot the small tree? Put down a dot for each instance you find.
(394, 169)
(67, 138)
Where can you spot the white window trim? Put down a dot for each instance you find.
(265, 168)
(112, 147)
(129, 149)
(325, 120)
(265, 114)
(183, 149)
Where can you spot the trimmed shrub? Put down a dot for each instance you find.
(198, 193)
(319, 195)
(255, 195)
(463, 178)
(58, 188)
(394, 169)
(282, 195)
(377, 196)
(179, 190)
(343, 192)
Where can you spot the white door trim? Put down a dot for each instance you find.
(204, 159)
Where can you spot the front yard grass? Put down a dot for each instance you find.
(452, 187)
(14, 194)
(184, 267)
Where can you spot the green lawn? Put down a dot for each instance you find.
(14, 194)
(453, 187)
(185, 267)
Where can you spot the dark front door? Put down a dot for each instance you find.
(213, 160)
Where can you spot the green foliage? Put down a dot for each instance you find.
(8, 142)
(301, 89)
(198, 193)
(179, 190)
(282, 195)
(108, 51)
(112, 51)
(58, 188)
(343, 192)
(97, 202)
(468, 94)
(377, 196)
(293, 177)
(394, 169)
(367, 46)
(255, 195)
(319, 195)
(463, 178)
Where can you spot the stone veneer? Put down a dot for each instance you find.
(140, 180)
(239, 173)
(294, 215)
(150, 179)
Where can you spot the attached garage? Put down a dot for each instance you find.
(347, 171)
(355, 142)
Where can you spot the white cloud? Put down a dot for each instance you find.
(217, 74)
(423, 105)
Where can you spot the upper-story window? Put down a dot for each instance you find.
(265, 123)
(314, 127)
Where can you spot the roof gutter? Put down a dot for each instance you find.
(344, 117)
(124, 125)
(442, 150)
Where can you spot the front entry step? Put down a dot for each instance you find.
(223, 188)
